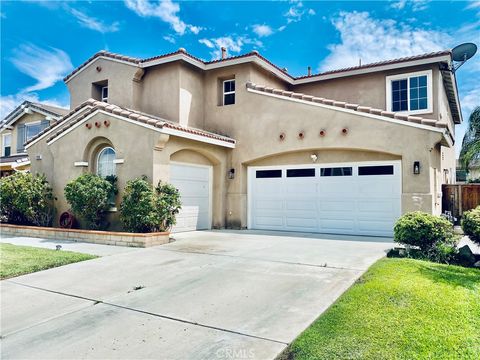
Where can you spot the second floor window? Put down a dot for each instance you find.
(32, 129)
(229, 92)
(105, 94)
(6, 144)
(410, 92)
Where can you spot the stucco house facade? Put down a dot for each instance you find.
(250, 146)
(22, 124)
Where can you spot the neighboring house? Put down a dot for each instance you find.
(250, 146)
(473, 172)
(21, 125)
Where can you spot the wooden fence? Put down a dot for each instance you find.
(458, 198)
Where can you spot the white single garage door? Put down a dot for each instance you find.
(349, 198)
(194, 183)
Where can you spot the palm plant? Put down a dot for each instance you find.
(471, 141)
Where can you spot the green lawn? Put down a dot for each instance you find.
(400, 309)
(19, 260)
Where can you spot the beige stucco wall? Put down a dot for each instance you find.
(120, 82)
(149, 157)
(370, 90)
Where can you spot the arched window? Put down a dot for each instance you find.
(105, 164)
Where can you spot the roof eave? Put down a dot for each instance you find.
(371, 69)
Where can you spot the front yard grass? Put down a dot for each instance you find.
(19, 260)
(399, 309)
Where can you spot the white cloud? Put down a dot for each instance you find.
(414, 5)
(369, 39)
(46, 66)
(93, 23)
(207, 43)
(470, 101)
(233, 44)
(296, 11)
(262, 30)
(169, 38)
(9, 102)
(165, 10)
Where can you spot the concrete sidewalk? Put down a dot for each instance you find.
(209, 295)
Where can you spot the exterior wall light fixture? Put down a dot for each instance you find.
(416, 167)
(231, 173)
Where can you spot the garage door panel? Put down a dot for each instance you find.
(307, 205)
(336, 200)
(337, 226)
(269, 205)
(267, 188)
(193, 183)
(301, 222)
(335, 205)
(378, 227)
(271, 222)
(188, 172)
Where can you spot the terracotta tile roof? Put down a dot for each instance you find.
(341, 104)
(380, 63)
(133, 60)
(104, 54)
(91, 105)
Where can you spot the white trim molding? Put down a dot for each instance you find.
(80, 164)
(407, 76)
(118, 161)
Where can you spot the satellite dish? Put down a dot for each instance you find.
(461, 53)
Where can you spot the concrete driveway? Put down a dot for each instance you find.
(208, 295)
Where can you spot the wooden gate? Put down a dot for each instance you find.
(458, 198)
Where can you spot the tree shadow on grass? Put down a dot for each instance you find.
(453, 275)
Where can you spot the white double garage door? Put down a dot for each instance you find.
(349, 198)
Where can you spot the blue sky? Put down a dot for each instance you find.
(42, 41)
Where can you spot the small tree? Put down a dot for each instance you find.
(89, 197)
(148, 209)
(26, 199)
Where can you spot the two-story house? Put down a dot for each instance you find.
(251, 146)
(22, 124)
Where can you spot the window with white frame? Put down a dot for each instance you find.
(229, 92)
(7, 144)
(105, 93)
(32, 129)
(105, 162)
(410, 92)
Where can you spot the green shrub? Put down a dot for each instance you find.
(423, 230)
(169, 204)
(26, 199)
(89, 196)
(147, 209)
(471, 224)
